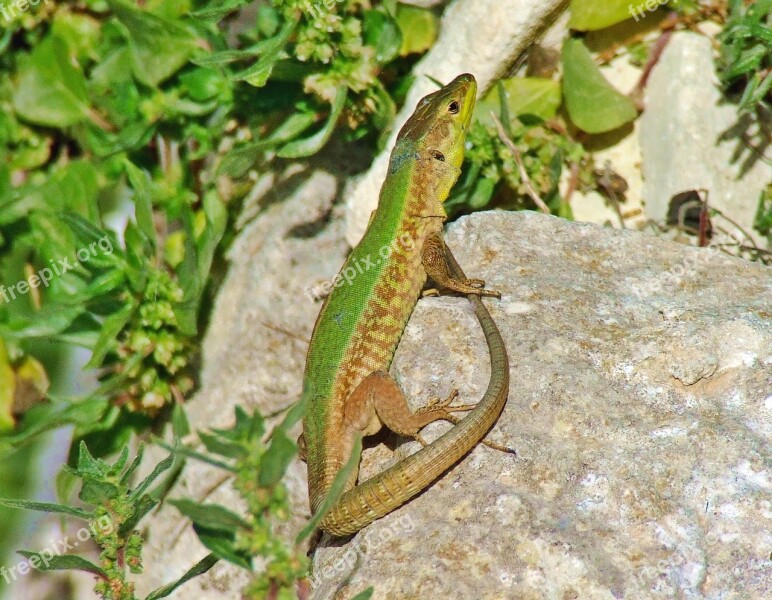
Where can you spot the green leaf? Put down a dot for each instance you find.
(48, 507)
(336, 491)
(381, 31)
(419, 28)
(524, 95)
(162, 466)
(258, 74)
(186, 311)
(7, 390)
(218, 445)
(593, 104)
(199, 568)
(88, 233)
(62, 562)
(77, 187)
(246, 427)
(222, 545)
(217, 9)
(216, 222)
(126, 477)
(213, 517)
(98, 493)
(588, 15)
(311, 145)
(142, 506)
(762, 221)
(224, 57)
(87, 464)
(190, 453)
(100, 286)
(51, 320)
(366, 595)
(52, 416)
(121, 461)
(159, 46)
(180, 423)
(51, 90)
(108, 337)
(276, 459)
(143, 200)
(241, 159)
(481, 194)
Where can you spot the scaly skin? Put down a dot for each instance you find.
(346, 383)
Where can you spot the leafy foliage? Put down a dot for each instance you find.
(258, 468)
(130, 134)
(116, 510)
(587, 15)
(533, 156)
(746, 54)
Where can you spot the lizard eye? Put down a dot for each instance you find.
(453, 108)
(438, 155)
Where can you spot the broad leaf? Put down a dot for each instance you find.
(592, 102)
(419, 28)
(588, 15)
(523, 95)
(108, 336)
(276, 459)
(222, 545)
(51, 90)
(382, 32)
(159, 46)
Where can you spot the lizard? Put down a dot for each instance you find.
(346, 383)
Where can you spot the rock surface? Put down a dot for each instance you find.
(641, 410)
(690, 140)
(640, 407)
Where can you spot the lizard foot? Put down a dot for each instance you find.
(437, 403)
(473, 286)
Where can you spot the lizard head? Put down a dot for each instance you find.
(438, 127)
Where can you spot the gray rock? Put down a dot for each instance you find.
(639, 406)
(640, 409)
(689, 139)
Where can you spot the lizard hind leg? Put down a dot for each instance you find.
(379, 394)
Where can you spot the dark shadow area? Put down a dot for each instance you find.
(340, 158)
(751, 133)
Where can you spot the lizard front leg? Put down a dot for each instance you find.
(433, 257)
